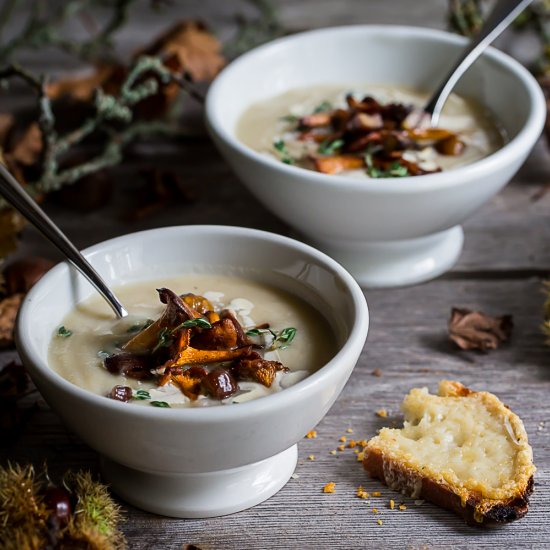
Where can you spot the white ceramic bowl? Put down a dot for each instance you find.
(386, 232)
(197, 462)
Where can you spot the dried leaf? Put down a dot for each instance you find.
(197, 51)
(8, 312)
(6, 122)
(188, 46)
(26, 150)
(11, 223)
(81, 88)
(476, 330)
(14, 381)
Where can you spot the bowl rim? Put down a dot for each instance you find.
(356, 336)
(514, 148)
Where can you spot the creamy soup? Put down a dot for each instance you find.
(297, 337)
(332, 130)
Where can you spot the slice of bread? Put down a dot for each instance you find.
(460, 449)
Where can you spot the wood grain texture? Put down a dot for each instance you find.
(506, 257)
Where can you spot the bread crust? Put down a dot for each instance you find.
(382, 461)
(406, 481)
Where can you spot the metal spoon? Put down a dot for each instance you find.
(504, 12)
(20, 200)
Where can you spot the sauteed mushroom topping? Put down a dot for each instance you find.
(369, 135)
(198, 350)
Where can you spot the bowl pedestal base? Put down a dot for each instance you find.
(396, 263)
(201, 495)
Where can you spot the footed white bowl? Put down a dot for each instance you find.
(197, 462)
(387, 232)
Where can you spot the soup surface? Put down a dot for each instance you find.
(90, 334)
(366, 131)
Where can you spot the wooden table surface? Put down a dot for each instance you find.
(505, 261)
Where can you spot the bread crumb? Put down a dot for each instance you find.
(376, 494)
(311, 457)
(375, 511)
(352, 443)
(356, 451)
(361, 493)
(402, 507)
(362, 443)
(382, 413)
(341, 447)
(360, 456)
(295, 476)
(379, 522)
(349, 430)
(333, 452)
(392, 504)
(343, 439)
(330, 487)
(376, 372)
(312, 434)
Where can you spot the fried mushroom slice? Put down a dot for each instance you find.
(190, 381)
(130, 365)
(176, 312)
(256, 369)
(337, 163)
(199, 303)
(221, 336)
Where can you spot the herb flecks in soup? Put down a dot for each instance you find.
(373, 134)
(202, 348)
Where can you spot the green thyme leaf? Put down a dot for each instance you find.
(64, 332)
(161, 404)
(283, 338)
(287, 335)
(197, 322)
(165, 339)
(284, 155)
(291, 119)
(141, 395)
(323, 107)
(260, 331)
(329, 147)
(395, 170)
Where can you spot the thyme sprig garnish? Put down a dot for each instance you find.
(285, 337)
(141, 395)
(329, 147)
(323, 107)
(284, 155)
(165, 339)
(161, 404)
(290, 118)
(199, 322)
(64, 332)
(166, 334)
(395, 170)
(280, 340)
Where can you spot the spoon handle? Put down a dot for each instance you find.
(20, 200)
(503, 13)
